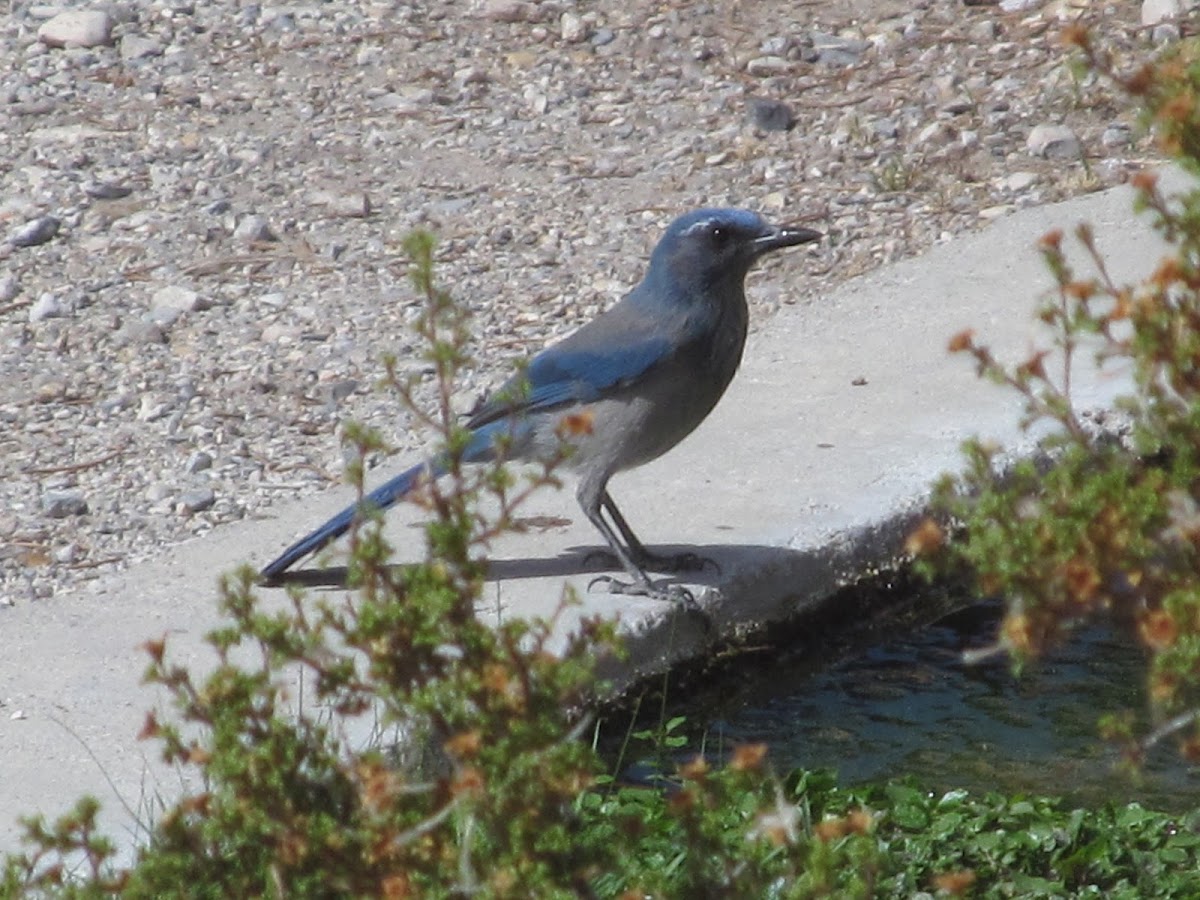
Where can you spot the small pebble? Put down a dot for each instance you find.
(764, 66)
(772, 115)
(135, 47)
(509, 11)
(76, 28)
(61, 504)
(106, 190)
(1054, 142)
(573, 28)
(177, 299)
(252, 229)
(35, 232)
(47, 306)
(198, 461)
(195, 501)
(10, 286)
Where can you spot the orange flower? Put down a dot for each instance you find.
(925, 538)
(964, 340)
(694, 770)
(748, 757)
(1157, 629)
(1082, 580)
(465, 744)
(956, 883)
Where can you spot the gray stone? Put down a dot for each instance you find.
(340, 390)
(76, 28)
(885, 128)
(196, 500)
(772, 115)
(509, 11)
(61, 504)
(765, 66)
(68, 553)
(135, 47)
(9, 287)
(198, 462)
(48, 306)
(157, 492)
(178, 299)
(106, 190)
(343, 204)
(603, 37)
(833, 50)
(1166, 33)
(138, 333)
(984, 30)
(1017, 181)
(777, 45)
(254, 228)
(35, 232)
(1118, 134)
(1054, 142)
(573, 28)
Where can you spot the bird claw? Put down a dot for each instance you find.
(672, 593)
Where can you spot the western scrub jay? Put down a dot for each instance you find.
(640, 377)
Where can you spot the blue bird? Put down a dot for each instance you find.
(642, 376)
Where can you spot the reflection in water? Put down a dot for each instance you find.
(908, 706)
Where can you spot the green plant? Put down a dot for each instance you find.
(514, 804)
(1100, 526)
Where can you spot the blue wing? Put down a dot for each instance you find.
(564, 374)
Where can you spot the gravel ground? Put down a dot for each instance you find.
(202, 211)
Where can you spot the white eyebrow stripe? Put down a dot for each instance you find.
(702, 225)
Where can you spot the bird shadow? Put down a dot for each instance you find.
(718, 559)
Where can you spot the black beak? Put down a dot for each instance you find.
(788, 236)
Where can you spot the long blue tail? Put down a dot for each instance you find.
(381, 498)
(480, 448)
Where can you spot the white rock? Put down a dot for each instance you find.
(764, 66)
(343, 204)
(9, 287)
(574, 29)
(134, 46)
(254, 228)
(1156, 11)
(77, 28)
(1017, 181)
(1054, 142)
(47, 306)
(174, 297)
(509, 11)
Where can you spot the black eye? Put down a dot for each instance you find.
(718, 234)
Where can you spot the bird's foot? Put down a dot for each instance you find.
(672, 593)
(654, 562)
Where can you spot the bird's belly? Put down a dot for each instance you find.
(623, 432)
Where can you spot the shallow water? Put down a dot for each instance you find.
(909, 706)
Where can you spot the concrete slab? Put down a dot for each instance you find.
(810, 469)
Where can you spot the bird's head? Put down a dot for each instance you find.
(709, 246)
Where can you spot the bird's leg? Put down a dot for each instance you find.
(641, 585)
(681, 562)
